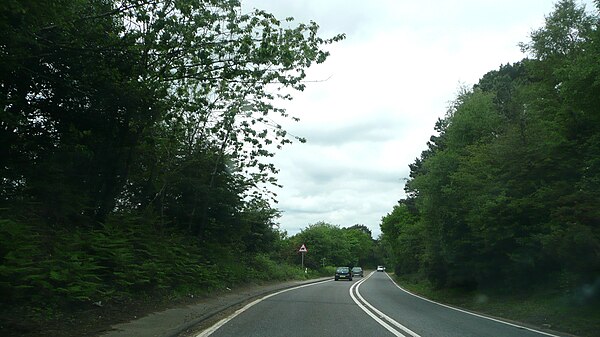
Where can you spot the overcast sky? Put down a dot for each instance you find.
(379, 94)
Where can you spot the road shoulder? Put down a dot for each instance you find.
(175, 321)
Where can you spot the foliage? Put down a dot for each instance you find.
(505, 195)
(264, 268)
(136, 144)
(542, 307)
(88, 266)
(402, 237)
(330, 245)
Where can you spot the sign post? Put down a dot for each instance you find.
(303, 250)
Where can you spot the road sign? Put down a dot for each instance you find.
(302, 250)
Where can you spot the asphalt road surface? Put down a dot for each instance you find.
(369, 306)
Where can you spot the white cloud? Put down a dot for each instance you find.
(388, 83)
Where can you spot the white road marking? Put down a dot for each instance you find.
(369, 309)
(381, 314)
(470, 313)
(222, 322)
(374, 311)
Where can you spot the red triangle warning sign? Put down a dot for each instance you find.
(303, 249)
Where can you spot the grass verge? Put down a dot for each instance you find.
(545, 308)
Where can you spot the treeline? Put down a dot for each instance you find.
(331, 245)
(507, 193)
(135, 144)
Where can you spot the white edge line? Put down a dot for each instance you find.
(377, 319)
(470, 313)
(222, 322)
(381, 314)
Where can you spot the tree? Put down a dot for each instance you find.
(71, 112)
(85, 103)
(361, 244)
(509, 177)
(136, 131)
(402, 235)
(338, 246)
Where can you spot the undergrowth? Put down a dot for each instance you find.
(45, 273)
(547, 307)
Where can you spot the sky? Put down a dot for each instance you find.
(369, 110)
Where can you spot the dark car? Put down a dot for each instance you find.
(357, 271)
(343, 273)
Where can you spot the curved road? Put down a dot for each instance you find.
(372, 306)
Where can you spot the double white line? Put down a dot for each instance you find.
(384, 320)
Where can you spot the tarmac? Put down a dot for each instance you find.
(176, 321)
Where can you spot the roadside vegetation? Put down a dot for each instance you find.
(136, 138)
(331, 245)
(544, 307)
(504, 201)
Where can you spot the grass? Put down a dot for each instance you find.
(544, 308)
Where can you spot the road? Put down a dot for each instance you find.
(372, 306)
